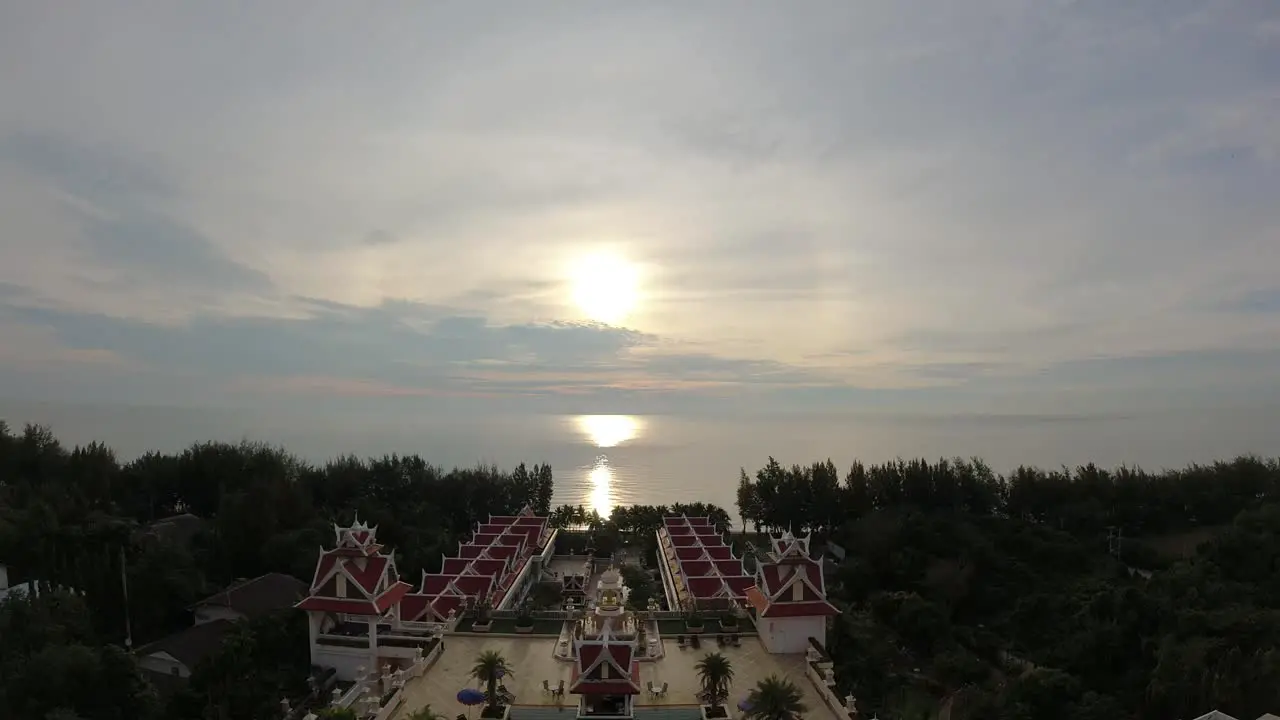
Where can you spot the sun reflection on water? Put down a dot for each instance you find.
(601, 480)
(605, 431)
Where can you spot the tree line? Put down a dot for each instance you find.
(1088, 499)
(76, 518)
(1016, 597)
(997, 596)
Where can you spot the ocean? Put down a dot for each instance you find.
(605, 460)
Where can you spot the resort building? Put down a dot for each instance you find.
(362, 615)
(394, 649)
(789, 596)
(493, 569)
(699, 566)
(606, 673)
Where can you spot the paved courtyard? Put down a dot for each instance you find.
(532, 663)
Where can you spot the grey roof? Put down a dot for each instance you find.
(192, 645)
(260, 596)
(177, 529)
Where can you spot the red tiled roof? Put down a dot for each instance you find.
(413, 606)
(488, 567)
(729, 567)
(502, 551)
(443, 604)
(800, 609)
(476, 586)
(434, 584)
(697, 568)
(367, 578)
(357, 606)
(454, 566)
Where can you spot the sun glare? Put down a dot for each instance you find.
(606, 431)
(606, 287)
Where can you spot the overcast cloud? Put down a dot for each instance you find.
(1023, 205)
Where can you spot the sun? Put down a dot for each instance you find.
(606, 287)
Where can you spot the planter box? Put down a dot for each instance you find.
(706, 712)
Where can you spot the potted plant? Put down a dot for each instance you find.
(490, 667)
(693, 621)
(484, 617)
(524, 619)
(729, 621)
(715, 674)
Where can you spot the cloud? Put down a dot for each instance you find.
(938, 203)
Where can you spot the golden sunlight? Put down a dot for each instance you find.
(606, 287)
(606, 431)
(601, 478)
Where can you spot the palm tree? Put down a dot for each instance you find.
(775, 698)
(489, 667)
(716, 674)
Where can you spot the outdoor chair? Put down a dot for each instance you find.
(664, 690)
(546, 686)
(680, 640)
(696, 642)
(649, 687)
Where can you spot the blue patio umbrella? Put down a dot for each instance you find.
(470, 696)
(745, 705)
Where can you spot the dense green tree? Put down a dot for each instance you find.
(775, 698)
(489, 668)
(715, 677)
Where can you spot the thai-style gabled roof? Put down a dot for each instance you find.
(788, 545)
(355, 577)
(707, 566)
(606, 666)
(357, 536)
(789, 583)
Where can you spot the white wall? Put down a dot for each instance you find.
(791, 634)
(163, 662)
(209, 613)
(345, 661)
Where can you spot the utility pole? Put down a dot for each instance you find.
(1115, 541)
(124, 585)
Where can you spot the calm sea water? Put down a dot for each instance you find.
(602, 461)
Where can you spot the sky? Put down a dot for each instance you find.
(736, 207)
